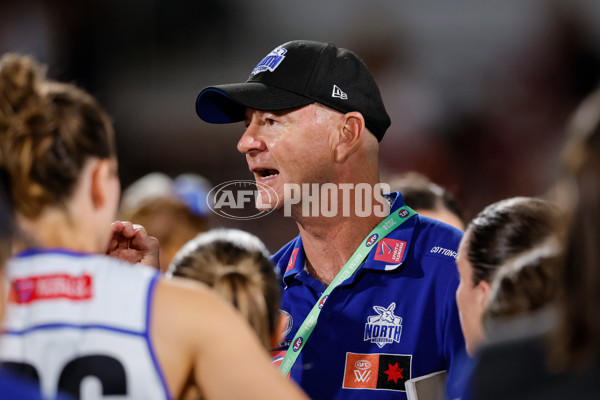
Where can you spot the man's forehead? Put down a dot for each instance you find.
(280, 113)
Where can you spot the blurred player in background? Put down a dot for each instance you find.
(428, 198)
(171, 210)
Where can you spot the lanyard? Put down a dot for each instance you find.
(386, 226)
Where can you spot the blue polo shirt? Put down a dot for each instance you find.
(393, 320)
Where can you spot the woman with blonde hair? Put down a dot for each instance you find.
(236, 265)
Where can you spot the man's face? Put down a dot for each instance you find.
(290, 146)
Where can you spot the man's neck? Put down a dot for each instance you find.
(329, 242)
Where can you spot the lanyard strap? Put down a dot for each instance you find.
(386, 226)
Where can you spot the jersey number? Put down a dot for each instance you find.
(108, 370)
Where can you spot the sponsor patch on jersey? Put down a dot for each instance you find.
(372, 239)
(292, 260)
(383, 328)
(440, 251)
(403, 213)
(390, 250)
(271, 61)
(49, 287)
(377, 371)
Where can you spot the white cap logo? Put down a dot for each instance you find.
(339, 93)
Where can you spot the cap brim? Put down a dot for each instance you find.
(227, 103)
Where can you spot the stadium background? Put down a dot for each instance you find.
(479, 91)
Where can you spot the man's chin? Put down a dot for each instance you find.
(268, 206)
(267, 198)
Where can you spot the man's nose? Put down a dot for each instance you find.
(251, 139)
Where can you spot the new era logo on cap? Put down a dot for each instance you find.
(338, 93)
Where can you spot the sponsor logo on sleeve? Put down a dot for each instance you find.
(377, 371)
(50, 287)
(443, 252)
(383, 328)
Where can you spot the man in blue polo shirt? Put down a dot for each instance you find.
(368, 285)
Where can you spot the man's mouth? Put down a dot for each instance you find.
(265, 173)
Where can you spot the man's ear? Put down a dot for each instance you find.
(352, 127)
(100, 177)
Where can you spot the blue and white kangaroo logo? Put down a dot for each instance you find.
(383, 328)
(271, 61)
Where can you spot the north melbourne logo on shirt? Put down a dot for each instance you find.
(383, 328)
(377, 371)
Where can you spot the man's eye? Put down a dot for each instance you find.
(270, 121)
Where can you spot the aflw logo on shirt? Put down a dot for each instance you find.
(377, 371)
(47, 287)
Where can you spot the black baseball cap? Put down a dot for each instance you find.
(295, 74)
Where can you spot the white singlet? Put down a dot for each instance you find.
(79, 324)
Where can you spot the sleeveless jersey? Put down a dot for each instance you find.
(79, 324)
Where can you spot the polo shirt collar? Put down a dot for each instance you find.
(388, 255)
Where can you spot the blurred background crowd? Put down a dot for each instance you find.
(479, 91)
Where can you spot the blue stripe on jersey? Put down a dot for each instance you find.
(70, 326)
(147, 333)
(33, 251)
